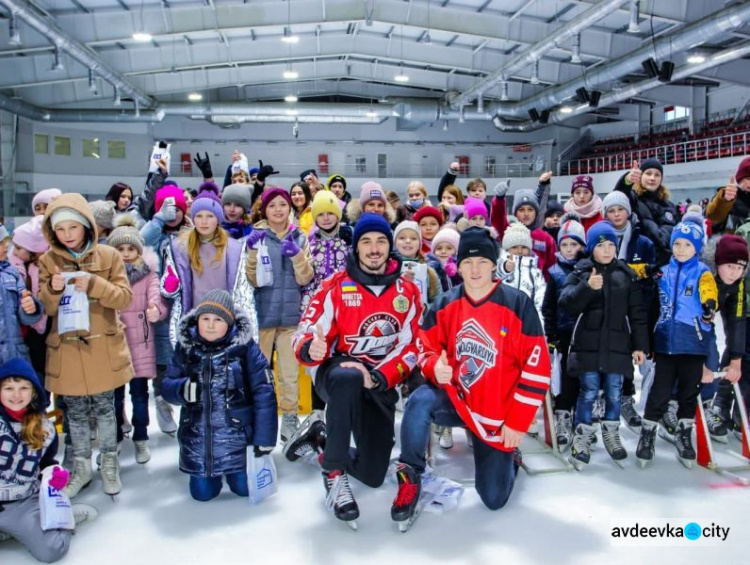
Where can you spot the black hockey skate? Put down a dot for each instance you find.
(612, 443)
(580, 452)
(405, 506)
(308, 440)
(668, 423)
(629, 414)
(339, 497)
(646, 444)
(684, 442)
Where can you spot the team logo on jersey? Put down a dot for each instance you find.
(475, 351)
(401, 304)
(377, 334)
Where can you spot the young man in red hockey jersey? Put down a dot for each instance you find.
(483, 353)
(359, 333)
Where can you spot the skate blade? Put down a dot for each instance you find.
(688, 463)
(352, 524)
(720, 439)
(620, 464)
(579, 465)
(643, 463)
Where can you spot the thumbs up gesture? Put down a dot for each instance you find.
(443, 371)
(634, 176)
(596, 281)
(58, 281)
(289, 247)
(730, 190)
(318, 347)
(27, 302)
(152, 313)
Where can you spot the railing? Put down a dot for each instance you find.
(728, 145)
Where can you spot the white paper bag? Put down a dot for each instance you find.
(556, 385)
(262, 479)
(264, 272)
(73, 313)
(55, 509)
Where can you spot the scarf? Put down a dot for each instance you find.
(623, 236)
(589, 210)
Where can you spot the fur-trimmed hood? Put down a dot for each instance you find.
(239, 335)
(149, 263)
(354, 211)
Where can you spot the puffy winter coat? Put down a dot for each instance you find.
(30, 272)
(328, 256)
(236, 404)
(139, 332)
(611, 322)
(558, 323)
(86, 363)
(12, 315)
(526, 277)
(279, 305)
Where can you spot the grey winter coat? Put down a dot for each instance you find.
(12, 315)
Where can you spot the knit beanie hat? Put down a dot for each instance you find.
(652, 164)
(582, 181)
(237, 194)
(743, 171)
(126, 233)
(475, 207)
(408, 225)
(687, 230)
(325, 201)
(208, 200)
(431, 211)
(172, 191)
(573, 230)
(599, 233)
(253, 171)
(731, 249)
(18, 367)
(476, 242)
(525, 197)
(336, 178)
(104, 213)
(269, 195)
(68, 214)
(446, 235)
(218, 302)
(694, 217)
(371, 191)
(306, 172)
(369, 222)
(517, 234)
(45, 196)
(553, 207)
(29, 236)
(616, 198)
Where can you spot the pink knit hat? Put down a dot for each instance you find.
(371, 191)
(446, 235)
(45, 196)
(475, 207)
(30, 236)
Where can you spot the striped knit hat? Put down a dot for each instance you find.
(218, 302)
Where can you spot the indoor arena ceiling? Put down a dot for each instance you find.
(520, 63)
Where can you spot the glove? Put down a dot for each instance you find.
(60, 478)
(159, 152)
(454, 212)
(709, 308)
(204, 165)
(261, 451)
(501, 188)
(265, 172)
(190, 392)
(450, 268)
(289, 247)
(171, 282)
(255, 237)
(168, 210)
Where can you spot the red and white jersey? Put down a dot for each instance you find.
(501, 366)
(379, 330)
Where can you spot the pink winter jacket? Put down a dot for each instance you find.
(33, 274)
(144, 281)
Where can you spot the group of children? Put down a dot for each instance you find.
(197, 299)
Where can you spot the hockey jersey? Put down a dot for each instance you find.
(372, 318)
(501, 366)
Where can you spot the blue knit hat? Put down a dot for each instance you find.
(599, 233)
(208, 200)
(369, 222)
(690, 231)
(18, 367)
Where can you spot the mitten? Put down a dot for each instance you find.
(709, 308)
(454, 212)
(254, 238)
(501, 188)
(60, 478)
(168, 210)
(450, 268)
(289, 247)
(171, 282)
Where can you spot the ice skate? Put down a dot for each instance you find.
(142, 452)
(446, 438)
(339, 497)
(597, 411)
(80, 478)
(164, 416)
(629, 414)
(580, 452)
(563, 429)
(684, 442)
(309, 438)
(84, 513)
(99, 455)
(111, 474)
(405, 506)
(716, 420)
(612, 443)
(646, 443)
(668, 423)
(289, 424)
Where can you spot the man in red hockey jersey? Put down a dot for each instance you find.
(359, 333)
(483, 353)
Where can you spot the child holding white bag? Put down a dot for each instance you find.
(29, 444)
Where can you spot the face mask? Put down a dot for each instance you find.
(416, 204)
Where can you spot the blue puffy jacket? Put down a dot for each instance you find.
(236, 404)
(683, 290)
(558, 323)
(12, 315)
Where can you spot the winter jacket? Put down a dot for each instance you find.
(238, 230)
(656, 217)
(683, 290)
(526, 277)
(236, 404)
(558, 324)
(328, 257)
(139, 332)
(86, 363)
(12, 315)
(611, 322)
(728, 214)
(304, 221)
(279, 305)
(20, 466)
(30, 275)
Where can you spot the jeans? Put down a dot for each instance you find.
(139, 398)
(494, 470)
(80, 410)
(206, 488)
(590, 384)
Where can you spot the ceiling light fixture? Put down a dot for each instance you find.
(290, 74)
(289, 37)
(142, 36)
(566, 110)
(401, 76)
(195, 97)
(696, 59)
(290, 98)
